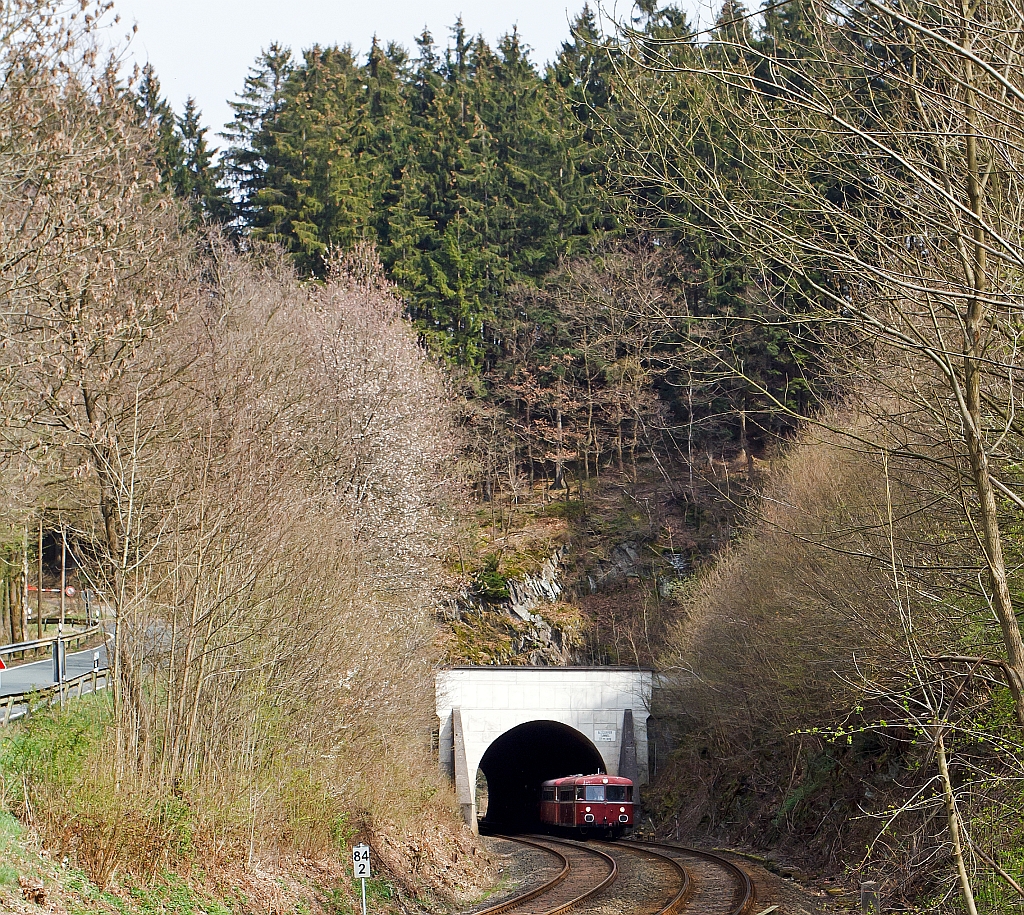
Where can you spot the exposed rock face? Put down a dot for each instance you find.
(523, 628)
(623, 562)
(535, 590)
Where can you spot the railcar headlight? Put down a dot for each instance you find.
(622, 810)
(588, 810)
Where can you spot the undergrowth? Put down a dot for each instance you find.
(142, 849)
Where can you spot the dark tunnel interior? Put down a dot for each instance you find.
(518, 761)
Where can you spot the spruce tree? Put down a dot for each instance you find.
(186, 162)
(251, 153)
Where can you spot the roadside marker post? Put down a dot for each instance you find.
(361, 867)
(2, 665)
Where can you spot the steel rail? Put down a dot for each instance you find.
(517, 901)
(536, 891)
(742, 877)
(686, 884)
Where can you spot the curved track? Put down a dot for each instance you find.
(656, 881)
(585, 873)
(650, 883)
(694, 882)
(720, 886)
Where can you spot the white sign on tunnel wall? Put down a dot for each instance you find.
(605, 735)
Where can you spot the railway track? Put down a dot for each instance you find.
(586, 872)
(719, 886)
(657, 879)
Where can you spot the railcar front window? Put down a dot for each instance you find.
(616, 792)
(595, 792)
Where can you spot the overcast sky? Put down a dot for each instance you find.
(204, 48)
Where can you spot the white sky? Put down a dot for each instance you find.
(204, 48)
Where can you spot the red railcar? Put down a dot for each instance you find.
(588, 804)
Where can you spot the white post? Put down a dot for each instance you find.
(364, 895)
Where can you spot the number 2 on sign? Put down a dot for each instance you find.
(361, 861)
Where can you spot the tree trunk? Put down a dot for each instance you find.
(559, 480)
(5, 613)
(991, 535)
(17, 608)
(953, 818)
(39, 586)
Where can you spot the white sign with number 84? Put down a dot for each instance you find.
(361, 861)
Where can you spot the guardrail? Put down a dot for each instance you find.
(67, 637)
(52, 619)
(21, 705)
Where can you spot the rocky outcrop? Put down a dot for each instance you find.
(534, 591)
(622, 563)
(530, 626)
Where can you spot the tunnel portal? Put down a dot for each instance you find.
(520, 759)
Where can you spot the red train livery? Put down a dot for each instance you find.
(588, 803)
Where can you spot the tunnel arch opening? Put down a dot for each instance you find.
(517, 762)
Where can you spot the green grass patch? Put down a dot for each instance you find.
(170, 895)
(569, 511)
(51, 746)
(10, 835)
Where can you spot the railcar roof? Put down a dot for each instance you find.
(587, 780)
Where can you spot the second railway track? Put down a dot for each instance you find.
(650, 883)
(638, 878)
(630, 877)
(719, 886)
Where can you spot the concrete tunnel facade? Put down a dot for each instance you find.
(523, 725)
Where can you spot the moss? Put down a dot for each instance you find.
(489, 583)
(570, 511)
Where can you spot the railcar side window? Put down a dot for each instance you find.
(616, 792)
(595, 792)
(547, 794)
(580, 793)
(629, 792)
(566, 794)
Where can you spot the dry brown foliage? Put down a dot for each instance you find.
(809, 591)
(803, 679)
(256, 471)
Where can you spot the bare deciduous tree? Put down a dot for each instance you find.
(880, 172)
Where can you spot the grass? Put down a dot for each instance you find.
(10, 833)
(51, 747)
(137, 850)
(170, 895)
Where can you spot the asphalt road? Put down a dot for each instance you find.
(39, 674)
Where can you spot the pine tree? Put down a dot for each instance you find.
(197, 177)
(463, 168)
(156, 112)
